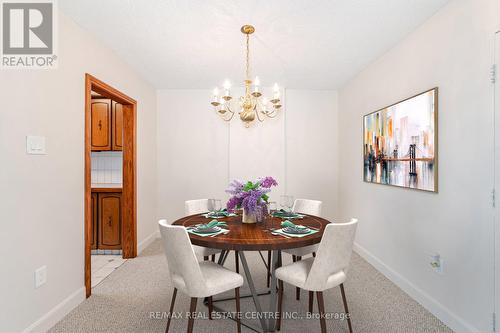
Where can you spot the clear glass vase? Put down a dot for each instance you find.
(248, 218)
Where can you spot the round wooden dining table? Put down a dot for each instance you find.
(258, 236)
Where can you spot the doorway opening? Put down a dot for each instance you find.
(110, 194)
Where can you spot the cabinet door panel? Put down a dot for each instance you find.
(117, 128)
(109, 221)
(93, 227)
(101, 124)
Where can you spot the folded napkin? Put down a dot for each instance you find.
(218, 213)
(289, 224)
(281, 232)
(211, 224)
(213, 234)
(196, 230)
(289, 215)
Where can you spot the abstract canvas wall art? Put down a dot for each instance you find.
(400, 143)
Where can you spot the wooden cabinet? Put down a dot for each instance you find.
(93, 227)
(117, 126)
(107, 220)
(106, 125)
(100, 112)
(109, 225)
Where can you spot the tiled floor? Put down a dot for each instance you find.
(103, 265)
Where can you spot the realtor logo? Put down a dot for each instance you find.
(28, 34)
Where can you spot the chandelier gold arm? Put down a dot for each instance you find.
(222, 109)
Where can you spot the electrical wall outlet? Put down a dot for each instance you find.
(437, 263)
(40, 276)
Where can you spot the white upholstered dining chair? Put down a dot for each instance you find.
(200, 206)
(309, 207)
(200, 251)
(325, 271)
(193, 278)
(197, 206)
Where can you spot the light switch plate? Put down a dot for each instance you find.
(40, 276)
(35, 145)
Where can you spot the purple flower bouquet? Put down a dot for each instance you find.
(251, 196)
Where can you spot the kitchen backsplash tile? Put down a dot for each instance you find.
(106, 167)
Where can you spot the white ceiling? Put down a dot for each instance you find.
(318, 44)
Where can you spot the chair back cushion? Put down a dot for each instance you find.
(333, 255)
(197, 206)
(182, 262)
(164, 221)
(306, 206)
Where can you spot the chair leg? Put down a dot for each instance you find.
(238, 314)
(311, 300)
(280, 305)
(171, 309)
(213, 257)
(297, 289)
(192, 313)
(210, 307)
(205, 258)
(321, 309)
(345, 307)
(237, 261)
(268, 268)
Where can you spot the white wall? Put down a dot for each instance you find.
(42, 197)
(198, 153)
(399, 227)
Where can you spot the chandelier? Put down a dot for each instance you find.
(253, 105)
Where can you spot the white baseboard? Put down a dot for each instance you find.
(450, 319)
(147, 241)
(57, 313)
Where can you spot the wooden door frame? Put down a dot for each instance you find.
(496, 175)
(129, 190)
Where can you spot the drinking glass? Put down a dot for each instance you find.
(290, 202)
(286, 201)
(273, 207)
(217, 205)
(283, 200)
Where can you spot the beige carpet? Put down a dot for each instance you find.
(141, 286)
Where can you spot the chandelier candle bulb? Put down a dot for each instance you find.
(227, 86)
(276, 91)
(215, 100)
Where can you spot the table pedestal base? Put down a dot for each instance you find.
(270, 325)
